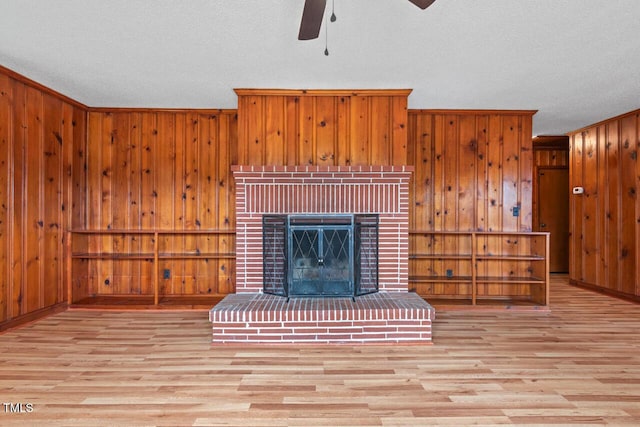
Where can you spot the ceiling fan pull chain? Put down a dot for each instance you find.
(326, 28)
(326, 40)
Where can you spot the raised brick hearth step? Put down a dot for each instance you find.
(383, 317)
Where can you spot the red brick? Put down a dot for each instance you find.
(274, 331)
(264, 325)
(334, 337)
(345, 330)
(299, 337)
(369, 336)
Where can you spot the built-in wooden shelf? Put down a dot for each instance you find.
(136, 302)
(91, 245)
(480, 268)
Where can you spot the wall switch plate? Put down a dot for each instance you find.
(166, 274)
(516, 211)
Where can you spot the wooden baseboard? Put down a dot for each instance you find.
(604, 291)
(33, 316)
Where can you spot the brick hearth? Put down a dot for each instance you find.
(385, 317)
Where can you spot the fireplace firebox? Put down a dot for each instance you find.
(320, 255)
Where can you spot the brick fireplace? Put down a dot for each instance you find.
(392, 314)
(264, 190)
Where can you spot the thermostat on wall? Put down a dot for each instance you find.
(578, 190)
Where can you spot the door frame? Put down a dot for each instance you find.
(537, 204)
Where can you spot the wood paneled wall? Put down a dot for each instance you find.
(605, 226)
(38, 129)
(164, 170)
(127, 169)
(322, 127)
(471, 169)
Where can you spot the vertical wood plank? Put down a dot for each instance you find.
(192, 199)
(80, 283)
(175, 243)
(450, 208)
(482, 188)
(166, 191)
(576, 174)
(148, 173)
(208, 138)
(93, 182)
(66, 195)
(360, 131)
(121, 200)
(343, 139)
(439, 206)
(381, 144)
(6, 173)
(253, 141)
(274, 144)
(79, 169)
(496, 203)
(34, 222)
(105, 214)
(325, 122)
(244, 121)
(422, 149)
(526, 168)
(510, 172)
(51, 203)
(612, 209)
(467, 175)
(439, 169)
(306, 130)
(135, 198)
(291, 104)
(637, 207)
(399, 130)
(494, 174)
(590, 201)
(226, 201)
(18, 224)
(629, 184)
(602, 224)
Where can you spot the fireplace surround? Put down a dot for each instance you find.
(327, 191)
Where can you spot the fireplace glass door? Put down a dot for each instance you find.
(321, 262)
(320, 256)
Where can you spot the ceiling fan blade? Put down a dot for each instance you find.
(311, 19)
(422, 4)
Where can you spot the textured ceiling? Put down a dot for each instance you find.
(575, 61)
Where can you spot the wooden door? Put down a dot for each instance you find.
(553, 214)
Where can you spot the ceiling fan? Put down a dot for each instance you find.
(313, 13)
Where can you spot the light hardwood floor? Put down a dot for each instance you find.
(577, 364)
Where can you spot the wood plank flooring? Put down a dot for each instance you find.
(577, 364)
